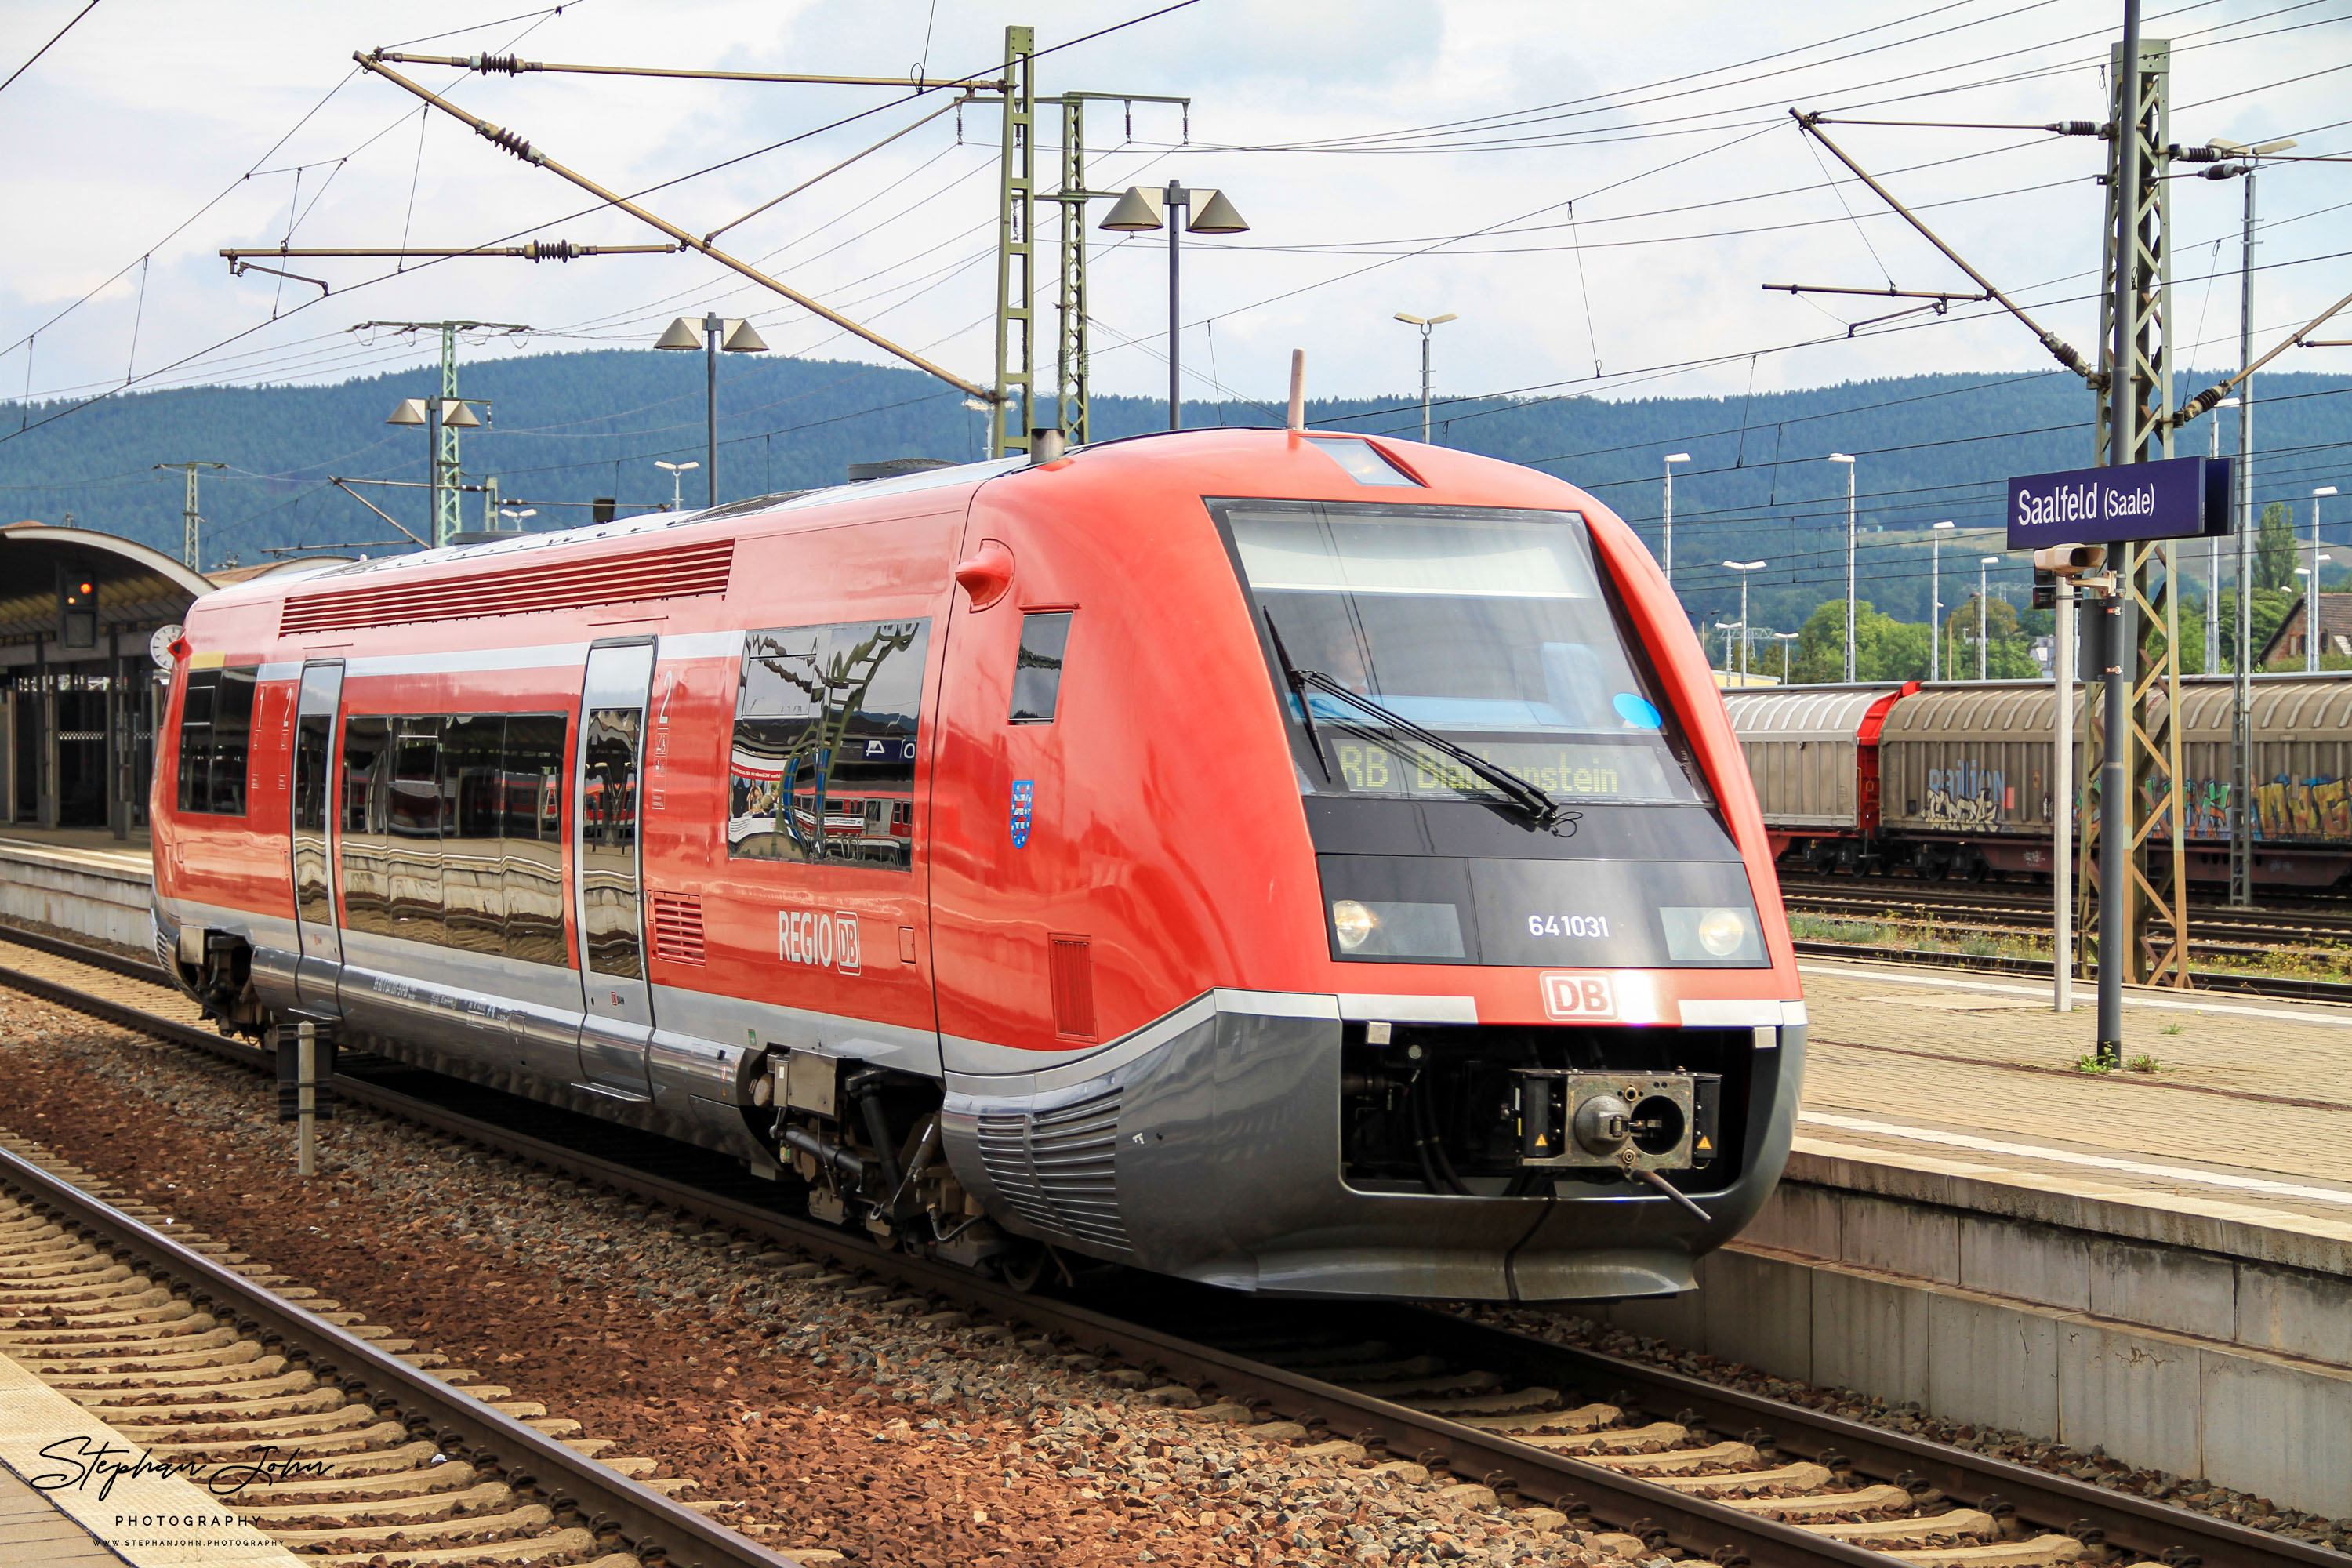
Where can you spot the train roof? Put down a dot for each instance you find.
(1217, 450)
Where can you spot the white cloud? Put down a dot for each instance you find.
(144, 112)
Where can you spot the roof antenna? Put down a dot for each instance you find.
(1298, 390)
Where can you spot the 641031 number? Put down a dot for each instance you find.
(1594, 926)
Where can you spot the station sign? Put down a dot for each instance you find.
(2179, 498)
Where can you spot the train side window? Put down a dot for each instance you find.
(823, 761)
(1037, 668)
(365, 786)
(531, 778)
(473, 893)
(215, 732)
(413, 857)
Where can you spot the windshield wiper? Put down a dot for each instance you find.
(1291, 673)
(1540, 806)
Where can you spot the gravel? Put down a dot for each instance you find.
(822, 1414)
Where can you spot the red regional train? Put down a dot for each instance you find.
(1300, 863)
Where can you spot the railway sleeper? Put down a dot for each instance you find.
(486, 1497)
(1881, 1498)
(564, 1546)
(1501, 1403)
(1636, 1441)
(154, 1404)
(1680, 1460)
(510, 1522)
(1961, 1524)
(235, 1431)
(1798, 1479)
(1583, 1418)
(428, 1478)
(2035, 1551)
(374, 1437)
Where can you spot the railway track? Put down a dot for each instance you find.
(1646, 1461)
(365, 1454)
(2212, 927)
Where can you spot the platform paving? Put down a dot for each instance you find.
(2252, 1105)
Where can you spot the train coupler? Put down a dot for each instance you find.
(1631, 1122)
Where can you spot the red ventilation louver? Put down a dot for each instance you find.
(1071, 973)
(680, 571)
(678, 928)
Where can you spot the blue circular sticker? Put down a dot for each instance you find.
(1637, 712)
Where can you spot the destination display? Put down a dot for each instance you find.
(2179, 498)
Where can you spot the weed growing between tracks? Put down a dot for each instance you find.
(1895, 934)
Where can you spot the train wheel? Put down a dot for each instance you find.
(1027, 1264)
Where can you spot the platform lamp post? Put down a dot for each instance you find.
(1786, 641)
(1727, 628)
(1427, 324)
(1848, 461)
(2311, 590)
(1743, 568)
(676, 489)
(717, 335)
(1984, 643)
(2213, 566)
(1139, 212)
(1672, 458)
(1936, 600)
(435, 414)
(516, 514)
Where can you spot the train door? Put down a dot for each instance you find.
(320, 958)
(616, 1014)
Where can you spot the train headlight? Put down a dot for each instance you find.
(1718, 934)
(1721, 931)
(1353, 923)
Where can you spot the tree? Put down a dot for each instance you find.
(1885, 648)
(2011, 654)
(2274, 550)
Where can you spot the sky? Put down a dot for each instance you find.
(1600, 203)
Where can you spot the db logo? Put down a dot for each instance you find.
(1575, 997)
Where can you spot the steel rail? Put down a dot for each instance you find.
(651, 1522)
(1696, 1525)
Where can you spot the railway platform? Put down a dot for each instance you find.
(84, 882)
(2156, 1262)
(80, 1515)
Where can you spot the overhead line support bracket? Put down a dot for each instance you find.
(523, 149)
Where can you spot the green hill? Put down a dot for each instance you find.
(572, 426)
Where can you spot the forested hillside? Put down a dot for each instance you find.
(569, 427)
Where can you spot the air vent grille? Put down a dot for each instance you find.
(1058, 1169)
(680, 572)
(1071, 973)
(678, 928)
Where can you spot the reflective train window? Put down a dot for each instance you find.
(216, 728)
(1038, 668)
(611, 749)
(451, 831)
(822, 767)
(1491, 632)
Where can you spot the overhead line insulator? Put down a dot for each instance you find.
(511, 142)
(2076, 128)
(500, 65)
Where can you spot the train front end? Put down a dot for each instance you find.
(1455, 964)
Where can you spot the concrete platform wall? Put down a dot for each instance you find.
(99, 896)
(2198, 1361)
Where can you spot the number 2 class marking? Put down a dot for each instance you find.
(1569, 925)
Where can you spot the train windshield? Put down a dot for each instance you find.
(1489, 628)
